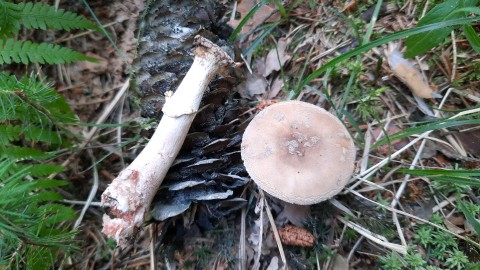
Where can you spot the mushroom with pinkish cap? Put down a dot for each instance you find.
(298, 152)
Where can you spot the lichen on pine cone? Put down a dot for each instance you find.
(208, 168)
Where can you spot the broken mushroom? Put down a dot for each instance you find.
(130, 194)
(298, 152)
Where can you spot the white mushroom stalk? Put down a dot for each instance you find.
(131, 193)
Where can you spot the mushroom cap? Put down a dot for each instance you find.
(298, 152)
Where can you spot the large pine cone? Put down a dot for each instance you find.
(165, 46)
(209, 166)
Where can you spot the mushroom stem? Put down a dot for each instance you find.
(131, 193)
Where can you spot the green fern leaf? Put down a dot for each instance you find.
(19, 153)
(39, 134)
(9, 133)
(46, 196)
(43, 16)
(17, 51)
(30, 224)
(37, 170)
(12, 133)
(32, 101)
(9, 20)
(46, 183)
(57, 213)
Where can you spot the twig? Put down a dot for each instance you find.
(92, 193)
(256, 264)
(275, 231)
(242, 256)
(402, 187)
(354, 248)
(374, 237)
(119, 130)
(97, 204)
(366, 150)
(454, 64)
(153, 241)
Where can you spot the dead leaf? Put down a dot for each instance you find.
(275, 61)
(340, 263)
(350, 6)
(469, 137)
(259, 66)
(457, 220)
(100, 67)
(258, 231)
(273, 264)
(254, 85)
(262, 14)
(452, 227)
(408, 74)
(275, 88)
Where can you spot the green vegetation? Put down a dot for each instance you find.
(451, 9)
(439, 246)
(34, 230)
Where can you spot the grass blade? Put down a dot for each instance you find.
(470, 216)
(420, 129)
(472, 37)
(364, 48)
(237, 30)
(461, 177)
(268, 29)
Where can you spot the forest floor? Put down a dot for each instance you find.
(385, 218)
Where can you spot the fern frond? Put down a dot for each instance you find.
(37, 170)
(19, 153)
(9, 19)
(17, 51)
(9, 133)
(39, 16)
(30, 218)
(43, 16)
(46, 183)
(57, 213)
(13, 133)
(31, 101)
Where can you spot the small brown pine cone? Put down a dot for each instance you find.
(296, 236)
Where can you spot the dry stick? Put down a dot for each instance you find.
(153, 240)
(242, 252)
(131, 193)
(374, 237)
(106, 112)
(256, 264)
(274, 230)
(91, 194)
(402, 187)
(354, 248)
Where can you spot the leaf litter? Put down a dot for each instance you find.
(191, 227)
